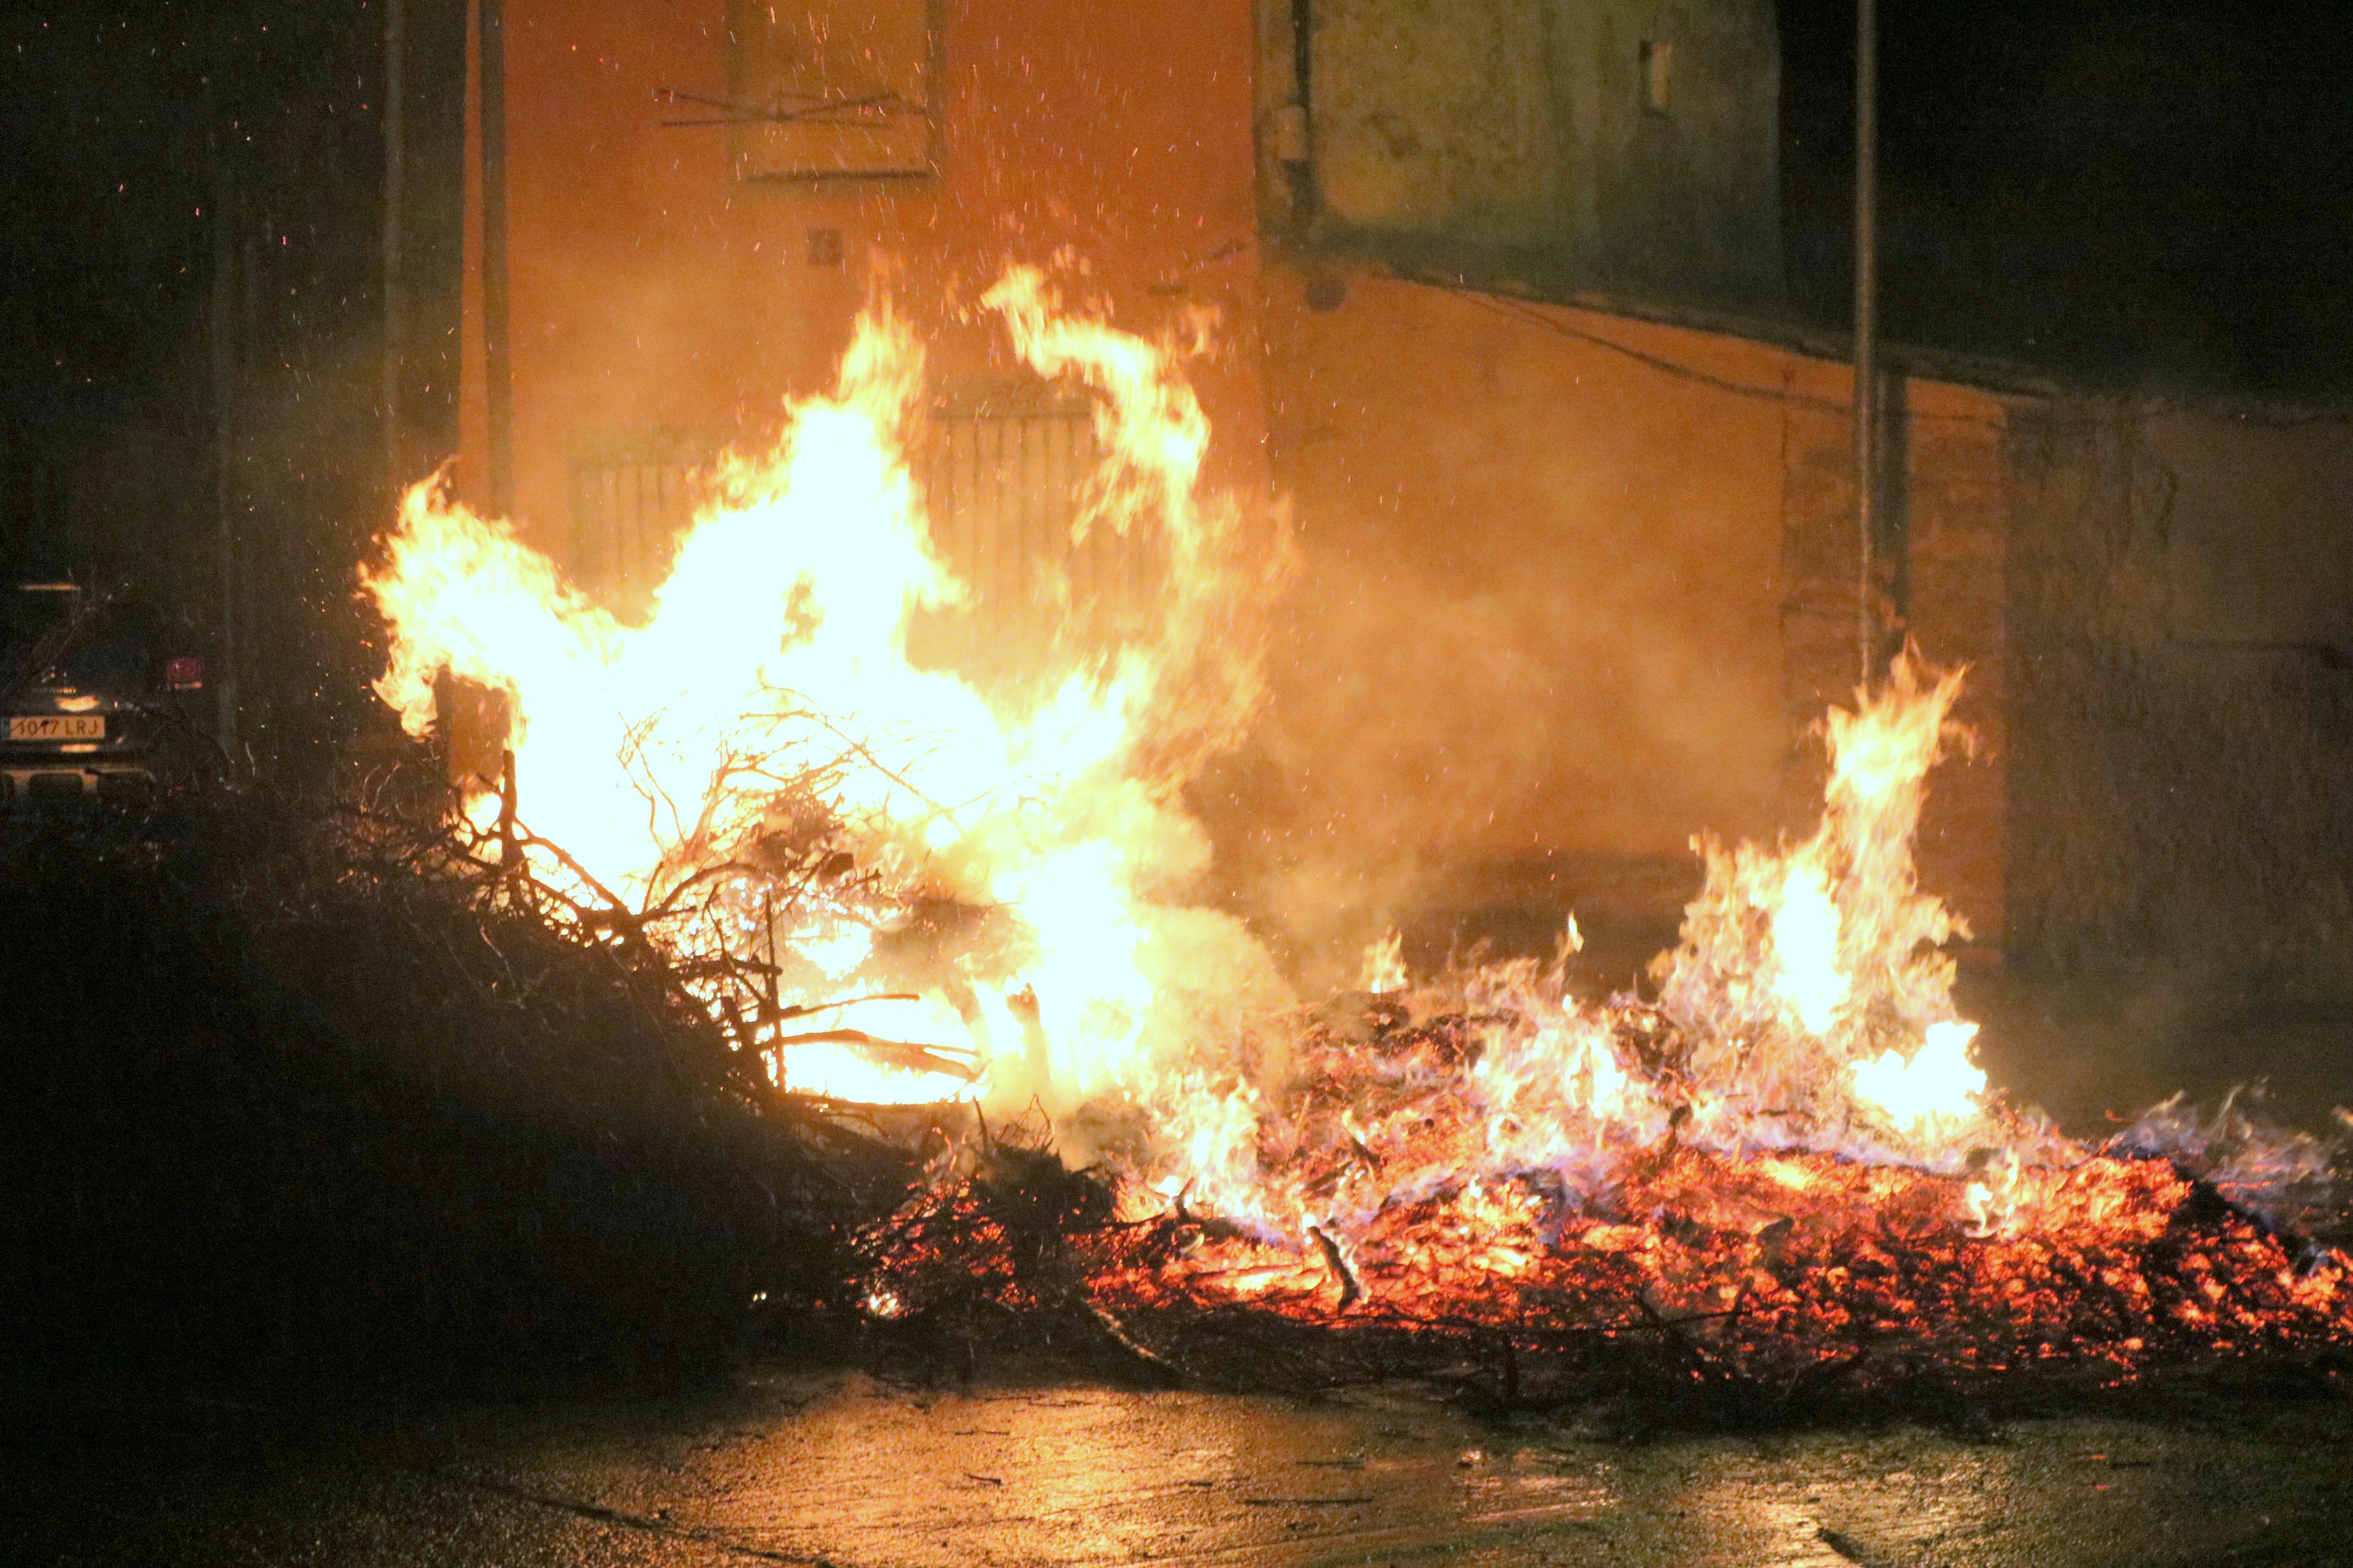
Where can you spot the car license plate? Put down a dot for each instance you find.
(58, 727)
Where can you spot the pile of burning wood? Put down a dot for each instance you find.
(1789, 1280)
(1779, 1178)
(1482, 1172)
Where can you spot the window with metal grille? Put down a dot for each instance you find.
(1004, 481)
(632, 493)
(1006, 489)
(826, 90)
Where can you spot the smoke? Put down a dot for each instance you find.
(1541, 637)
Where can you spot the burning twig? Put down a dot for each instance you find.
(895, 1053)
(509, 848)
(1351, 1292)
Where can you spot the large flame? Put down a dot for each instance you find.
(1037, 850)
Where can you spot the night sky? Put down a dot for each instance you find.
(111, 115)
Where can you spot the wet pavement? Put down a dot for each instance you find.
(831, 1467)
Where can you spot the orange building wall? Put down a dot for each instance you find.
(650, 287)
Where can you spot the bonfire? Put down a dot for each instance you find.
(1774, 1167)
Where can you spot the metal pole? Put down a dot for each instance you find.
(1866, 330)
(498, 383)
(396, 169)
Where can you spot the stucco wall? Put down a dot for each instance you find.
(1956, 609)
(1472, 134)
(1938, 580)
(651, 289)
(2179, 809)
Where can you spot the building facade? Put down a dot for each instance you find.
(1496, 289)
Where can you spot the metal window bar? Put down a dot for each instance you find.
(1004, 490)
(631, 496)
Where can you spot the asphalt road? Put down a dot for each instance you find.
(828, 1467)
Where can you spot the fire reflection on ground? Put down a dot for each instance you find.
(843, 1468)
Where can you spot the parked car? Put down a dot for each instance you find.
(96, 698)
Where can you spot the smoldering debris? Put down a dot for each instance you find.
(1700, 1288)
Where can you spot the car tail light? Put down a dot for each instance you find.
(186, 673)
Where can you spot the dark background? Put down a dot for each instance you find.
(2135, 195)
(191, 261)
(2142, 197)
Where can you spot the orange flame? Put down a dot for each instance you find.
(772, 683)
(1796, 965)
